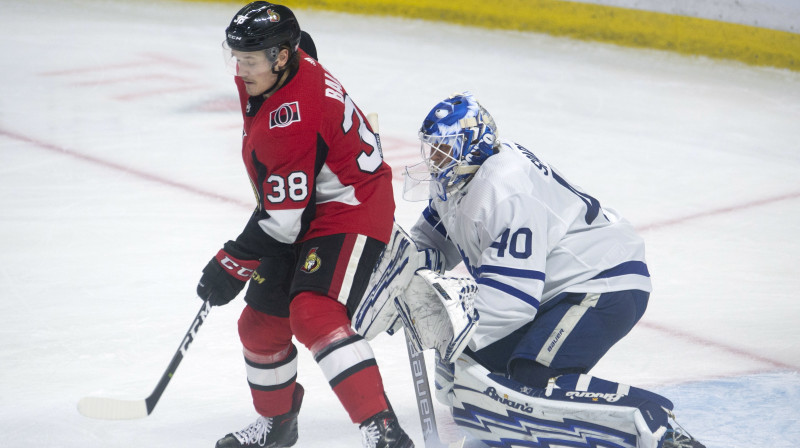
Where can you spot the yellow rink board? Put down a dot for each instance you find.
(621, 26)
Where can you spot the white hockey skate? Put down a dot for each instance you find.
(677, 437)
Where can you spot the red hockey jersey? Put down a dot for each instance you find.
(316, 166)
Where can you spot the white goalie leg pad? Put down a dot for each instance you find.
(443, 381)
(439, 312)
(504, 413)
(376, 312)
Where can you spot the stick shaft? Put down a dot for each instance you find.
(422, 392)
(188, 338)
(115, 409)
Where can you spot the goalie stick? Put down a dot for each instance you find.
(116, 409)
(422, 388)
(422, 392)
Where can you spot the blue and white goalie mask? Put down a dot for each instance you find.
(457, 136)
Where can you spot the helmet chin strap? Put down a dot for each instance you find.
(459, 170)
(283, 74)
(465, 169)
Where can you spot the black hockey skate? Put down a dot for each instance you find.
(268, 432)
(678, 438)
(383, 431)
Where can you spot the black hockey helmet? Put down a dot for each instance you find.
(261, 26)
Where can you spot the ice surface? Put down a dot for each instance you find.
(121, 176)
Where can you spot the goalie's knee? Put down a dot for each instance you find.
(531, 373)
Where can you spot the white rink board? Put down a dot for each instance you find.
(121, 177)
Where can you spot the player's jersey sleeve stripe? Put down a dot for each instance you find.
(511, 272)
(510, 290)
(629, 267)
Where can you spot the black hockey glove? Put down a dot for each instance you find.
(224, 277)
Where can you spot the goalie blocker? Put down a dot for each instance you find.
(406, 289)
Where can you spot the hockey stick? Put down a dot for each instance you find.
(115, 409)
(422, 389)
(422, 392)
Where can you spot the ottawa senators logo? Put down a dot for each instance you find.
(284, 115)
(312, 263)
(273, 16)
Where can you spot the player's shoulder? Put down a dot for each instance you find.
(508, 169)
(321, 88)
(319, 79)
(504, 180)
(309, 81)
(513, 153)
(309, 65)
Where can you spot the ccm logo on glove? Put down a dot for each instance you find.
(235, 267)
(224, 277)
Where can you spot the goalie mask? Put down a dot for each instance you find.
(457, 136)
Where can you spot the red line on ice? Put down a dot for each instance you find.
(157, 92)
(717, 345)
(122, 168)
(719, 211)
(133, 78)
(149, 59)
(675, 221)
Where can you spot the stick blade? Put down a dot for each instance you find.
(112, 408)
(458, 443)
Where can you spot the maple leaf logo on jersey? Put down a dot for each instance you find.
(284, 115)
(312, 263)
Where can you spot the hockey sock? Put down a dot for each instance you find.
(271, 361)
(346, 359)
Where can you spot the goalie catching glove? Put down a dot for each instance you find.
(400, 260)
(405, 289)
(439, 312)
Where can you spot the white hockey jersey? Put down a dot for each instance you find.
(526, 235)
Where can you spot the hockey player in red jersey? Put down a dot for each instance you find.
(324, 214)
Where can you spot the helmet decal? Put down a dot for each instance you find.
(457, 136)
(262, 25)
